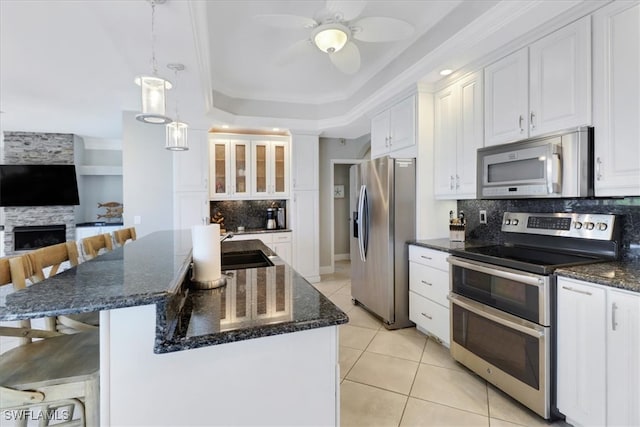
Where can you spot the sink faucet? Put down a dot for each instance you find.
(226, 236)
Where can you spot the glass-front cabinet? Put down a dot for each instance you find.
(230, 169)
(271, 168)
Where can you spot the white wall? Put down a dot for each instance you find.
(147, 173)
(332, 148)
(341, 211)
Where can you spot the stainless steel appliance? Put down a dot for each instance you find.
(385, 220)
(559, 165)
(272, 214)
(503, 299)
(282, 218)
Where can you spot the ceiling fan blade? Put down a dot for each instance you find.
(347, 59)
(348, 9)
(293, 52)
(381, 29)
(286, 21)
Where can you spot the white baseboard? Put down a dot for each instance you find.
(327, 269)
(341, 257)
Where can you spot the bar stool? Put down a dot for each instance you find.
(121, 236)
(92, 246)
(58, 371)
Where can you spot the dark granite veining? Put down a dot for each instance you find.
(621, 274)
(251, 214)
(627, 208)
(445, 244)
(155, 270)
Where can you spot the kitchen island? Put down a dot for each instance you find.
(262, 350)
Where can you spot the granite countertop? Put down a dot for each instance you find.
(259, 231)
(154, 270)
(446, 245)
(617, 274)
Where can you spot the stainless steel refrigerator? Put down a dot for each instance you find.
(382, 222)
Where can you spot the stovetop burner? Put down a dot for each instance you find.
(532, 260)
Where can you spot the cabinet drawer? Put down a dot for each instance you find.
(429, 316)
(281, 237)
(430, 257)
(264, 237)
(429, 282)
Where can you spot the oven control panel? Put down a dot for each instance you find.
(585, 226)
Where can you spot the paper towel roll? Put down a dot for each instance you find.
(206, 252)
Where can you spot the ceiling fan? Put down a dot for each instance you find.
(334, 29)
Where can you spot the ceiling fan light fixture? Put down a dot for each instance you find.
(331, 38)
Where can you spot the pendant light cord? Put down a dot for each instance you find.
(154, 65)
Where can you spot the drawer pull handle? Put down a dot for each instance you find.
(426, 283)
(614, 323)
(427, 316)
(576, 290)
(425, 257)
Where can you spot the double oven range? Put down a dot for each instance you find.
(503, 299)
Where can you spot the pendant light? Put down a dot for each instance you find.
(153, 87)
(176, 130)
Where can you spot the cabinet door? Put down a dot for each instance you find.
(260, 168)
(305, 222)
(402, 124)
(279, 179)
(380, 134)
(190, 167)
(220, 185)
(445, 147)
(506, 102)
(283, 250)
(581, 362)
(470, 135)
(305, 163)
(623, 356)
(190, 208)
(240, 170)
(560, 79)
(616, 99)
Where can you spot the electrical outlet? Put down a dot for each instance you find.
(483, 216)
(137, 219)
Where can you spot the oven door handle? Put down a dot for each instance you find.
(526, 278)
(497, 316)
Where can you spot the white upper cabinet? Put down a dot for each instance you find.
(542, 88)
(616, 99)
(458, 135)
(190, 167)
(229, 168)
(305, 162)
(270, 166)
(393, 131)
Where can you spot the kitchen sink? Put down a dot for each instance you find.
(244, 259)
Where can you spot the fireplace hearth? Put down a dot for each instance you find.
(27, 238)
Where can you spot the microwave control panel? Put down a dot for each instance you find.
(587, 226)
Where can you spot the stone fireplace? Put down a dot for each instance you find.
(38, 236)
(36, 148)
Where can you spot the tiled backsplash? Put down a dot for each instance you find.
(628, 209)
(251, 214)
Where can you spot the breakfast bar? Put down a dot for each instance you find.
(261, 350)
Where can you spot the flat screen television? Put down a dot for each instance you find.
(38, 185)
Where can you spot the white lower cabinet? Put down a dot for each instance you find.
(597, 356)
(428, 290)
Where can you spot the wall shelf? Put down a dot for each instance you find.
(99, 170)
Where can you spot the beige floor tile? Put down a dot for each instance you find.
(345, 290)
(363, 405)
(358, 316)
(355, 337)
(438, 355)
(329, 287)
(389, 373)
(422, 413)
(494, 422)
(397, 345)
(347, 357)
(342, 301)
(450, 387)
(503, 407)
(413, 332)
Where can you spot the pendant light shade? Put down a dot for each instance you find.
(176, 130)
(153, 88)
(153, 92)
(177, 136)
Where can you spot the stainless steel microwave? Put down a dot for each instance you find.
(558, 165)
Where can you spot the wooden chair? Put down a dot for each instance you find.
(53, 257)
(93, 245)
(125, 234)
(57, 371)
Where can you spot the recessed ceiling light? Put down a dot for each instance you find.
(225, 126)
(276, 129)
(446, 72)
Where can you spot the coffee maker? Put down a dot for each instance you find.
(272, 214)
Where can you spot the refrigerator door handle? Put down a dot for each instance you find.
(363, 223)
